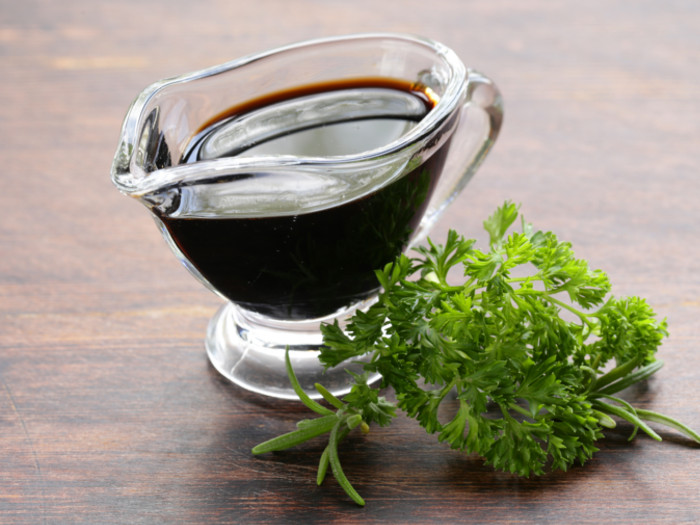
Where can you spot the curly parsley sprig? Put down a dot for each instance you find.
(531, 344)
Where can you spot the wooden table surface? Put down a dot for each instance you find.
(109, 410)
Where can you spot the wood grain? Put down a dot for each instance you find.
(109, 411)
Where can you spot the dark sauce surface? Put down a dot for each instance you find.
(322, 87)
(307, 265)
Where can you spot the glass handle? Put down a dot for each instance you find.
(480, 121)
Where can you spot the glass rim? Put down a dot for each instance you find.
(130, 178)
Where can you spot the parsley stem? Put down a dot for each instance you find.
(322, 425)
(630, 379)
(334, 461)
(337, 403)
(511, 280)
(322, 466)
(614, 374)
(581, 315)
(521, 410)
(325, 458)
(668, 421)
(628, 415)
(303, 396)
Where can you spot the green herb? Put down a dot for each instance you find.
(531, 344)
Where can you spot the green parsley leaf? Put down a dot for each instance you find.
(530, 342)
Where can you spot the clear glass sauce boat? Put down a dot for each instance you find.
(283, 180)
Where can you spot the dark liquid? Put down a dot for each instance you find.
(301, 265)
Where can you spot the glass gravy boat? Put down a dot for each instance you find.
(282, 180)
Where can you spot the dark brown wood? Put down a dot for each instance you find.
(109, 411)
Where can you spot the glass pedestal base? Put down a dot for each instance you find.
(248, 349)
